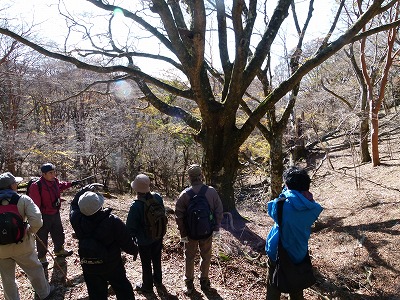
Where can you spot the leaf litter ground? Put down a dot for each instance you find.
(355, 245)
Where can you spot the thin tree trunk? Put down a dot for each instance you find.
(364, 132)
(374, 138)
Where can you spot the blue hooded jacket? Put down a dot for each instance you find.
(299, 213)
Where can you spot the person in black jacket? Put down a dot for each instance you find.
(93, 224)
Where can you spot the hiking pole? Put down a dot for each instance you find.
(52, 256)
(90, 177)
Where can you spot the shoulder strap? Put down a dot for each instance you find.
(202, 191)
(146, 197)
(280, 203)
(14, 199)
(39, 184)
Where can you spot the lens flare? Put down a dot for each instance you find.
(118, 12)
(123, 90)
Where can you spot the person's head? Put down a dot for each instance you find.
(296, 179)
(89, 203)
(9, 181)
(195, 173)
(48, 171)
(141, 184)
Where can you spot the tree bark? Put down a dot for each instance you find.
(364, 133)
(375, 138)
(276, 159)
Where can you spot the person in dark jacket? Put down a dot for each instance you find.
(89, 219)
(299, 213)
(149, 249)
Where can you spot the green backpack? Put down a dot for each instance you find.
(155, 218)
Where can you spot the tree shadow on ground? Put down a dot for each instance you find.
(347, 288)
(237, 225)
(329, 290)
(358, 233)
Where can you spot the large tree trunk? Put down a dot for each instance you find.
(220, 169)
(221, 162)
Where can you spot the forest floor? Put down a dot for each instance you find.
(355, 244)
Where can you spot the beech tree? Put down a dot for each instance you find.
(214, 92)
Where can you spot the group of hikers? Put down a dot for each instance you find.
(102, 236)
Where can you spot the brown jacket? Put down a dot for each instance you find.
(183, 202)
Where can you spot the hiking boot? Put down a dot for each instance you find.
(141, 290)
(43, 261)
(189, 287)
(205, 284)
(63, 253)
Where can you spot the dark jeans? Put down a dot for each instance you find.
(97, 284)
(151, 254)
(51, 224)
(272, 292)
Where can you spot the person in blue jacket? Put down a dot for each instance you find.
(299, 213)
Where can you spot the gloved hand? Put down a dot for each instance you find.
(184, 240)
(216, 235)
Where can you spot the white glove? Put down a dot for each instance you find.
(184, 239)
(216, 234)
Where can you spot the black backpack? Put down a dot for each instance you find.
(32, 180)
(155, 218)
(92, 251)
(199, 218)
(12, 227)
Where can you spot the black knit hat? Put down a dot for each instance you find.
(47, 167)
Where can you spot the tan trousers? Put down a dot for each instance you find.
(30, 264)
(191, 250)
